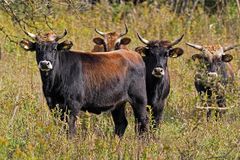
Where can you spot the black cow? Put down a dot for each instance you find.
(90, 82)
(156, 55)
(214, 73)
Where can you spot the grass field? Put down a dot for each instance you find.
(27, 128)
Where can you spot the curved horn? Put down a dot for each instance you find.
(142, 39)
(225, 49)
(126, 30)
(198, 47)
(31, 35)
(99, 32)
(176, 41)
(61, 36)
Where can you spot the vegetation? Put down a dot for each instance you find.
(28, 129)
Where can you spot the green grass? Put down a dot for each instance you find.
(27, 128)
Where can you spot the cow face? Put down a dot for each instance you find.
(46, 49)
(212, 57)
(112, 40)
(156, 55)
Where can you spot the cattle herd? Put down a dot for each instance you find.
(111, 75)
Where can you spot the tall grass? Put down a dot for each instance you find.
(27, 128)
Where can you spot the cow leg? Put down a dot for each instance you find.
(221, 101)
(50, 102)
(138, 99)
(119, 119)
(74, 108)
(157, 110)
(209, 104)
(209, 111)
(72, 127)
(140, 113)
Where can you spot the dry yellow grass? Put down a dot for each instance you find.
(27, 130)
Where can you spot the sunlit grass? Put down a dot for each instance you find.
(28, 130)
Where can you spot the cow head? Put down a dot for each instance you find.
(46, 47)
(112, 40)
(212, 57)
(156, 54)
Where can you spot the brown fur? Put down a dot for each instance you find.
(48, 37)
(112, 63)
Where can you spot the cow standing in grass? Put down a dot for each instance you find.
(214, 73)
(111, 41)
(90, 82)
(155, 56)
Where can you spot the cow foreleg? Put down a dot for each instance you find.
(74, 108)
(72, 127)
(209, 104)
(141, 118)
(119, 119)
(221, 101)
(157, 114)
(50, 102)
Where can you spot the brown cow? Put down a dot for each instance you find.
(74, 81)
(111, 41)
(214, 73)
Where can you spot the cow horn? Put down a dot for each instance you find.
(99, 32)
(142, 39)
(198, 47)
(225, 49)
(126, 30)
(176, 41)
(31, 35)
(61, 36)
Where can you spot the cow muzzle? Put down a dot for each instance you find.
(158, 72)
(212, 74)
(45, 65)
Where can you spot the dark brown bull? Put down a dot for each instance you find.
(84, 81)
(111, 41)
(214, 73)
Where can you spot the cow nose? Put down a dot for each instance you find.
(212, 74)
(158, 72)
(45, 65)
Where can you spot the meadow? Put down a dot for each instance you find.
(28, 129)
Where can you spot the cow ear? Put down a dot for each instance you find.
(197, 56)
(175, 52)
(65, 45)
(125, 41)
(227, 58)
(141, 50)
(98, 41)
(27, 45)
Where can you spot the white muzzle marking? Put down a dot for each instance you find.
(158, 72)
(45, 65)
(212, 74)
